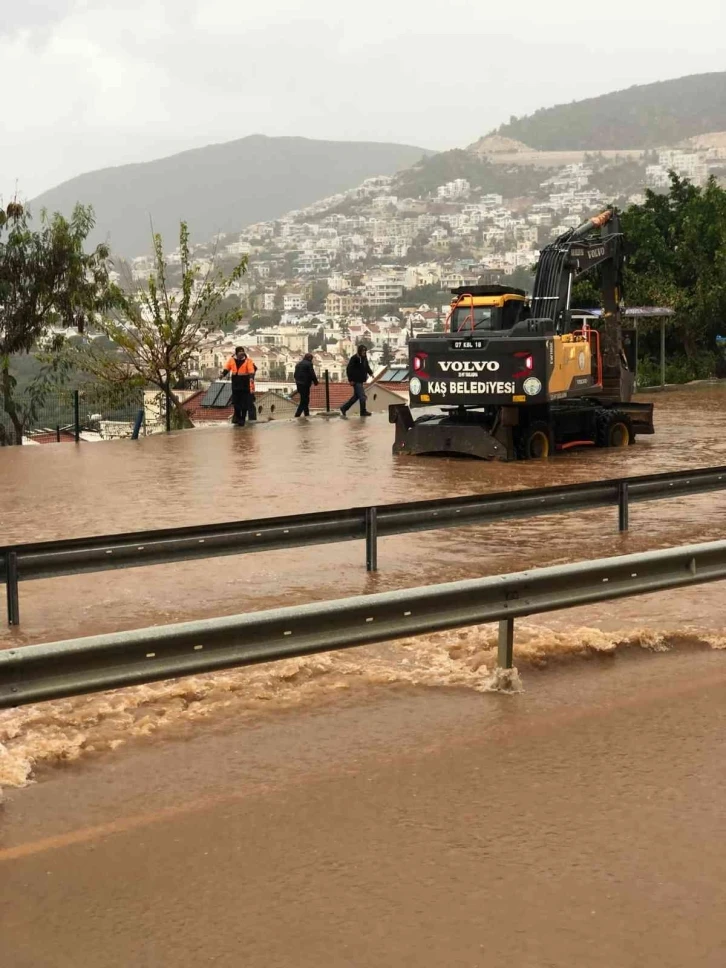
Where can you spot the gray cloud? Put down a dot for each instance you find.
(33, 15)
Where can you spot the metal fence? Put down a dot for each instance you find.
(60, 669)
(93, 412)
(73, 556)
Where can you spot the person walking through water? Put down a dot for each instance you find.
(242, 371)
(358, 371)
(305, 378)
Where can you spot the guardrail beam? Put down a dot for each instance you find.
(50, 559)
(60, 669)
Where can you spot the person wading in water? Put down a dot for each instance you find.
(305, 379)
(242, 371)
(358, 371)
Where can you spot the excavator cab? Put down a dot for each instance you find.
(486, 309)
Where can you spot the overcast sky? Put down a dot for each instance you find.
(92, 83)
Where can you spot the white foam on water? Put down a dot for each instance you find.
(63, 731)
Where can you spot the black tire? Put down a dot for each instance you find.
(534, 442)
(613, 429)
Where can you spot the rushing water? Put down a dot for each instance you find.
(233, 473)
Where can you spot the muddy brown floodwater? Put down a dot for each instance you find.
(386, 805)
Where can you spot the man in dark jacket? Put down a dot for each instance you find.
(358, 371)
(305, 378)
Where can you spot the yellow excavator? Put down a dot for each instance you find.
(517, 378)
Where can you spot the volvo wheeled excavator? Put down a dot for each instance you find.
(517, 378)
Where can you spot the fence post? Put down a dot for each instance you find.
(505, 655)
(371, 539)
(167, 396)
(11, 586)
(327, 392)
(77, 414)
(623, 505)
(57, 433)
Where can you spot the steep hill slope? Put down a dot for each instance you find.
(221, 187)
(643, 116)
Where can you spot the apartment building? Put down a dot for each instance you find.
(294, 301)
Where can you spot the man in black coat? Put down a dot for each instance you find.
(305, 378)
(358, 371)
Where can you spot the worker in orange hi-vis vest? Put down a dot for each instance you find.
(242, 371)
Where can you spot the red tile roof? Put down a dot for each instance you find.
(340, 393)
(394, 387)
(50, 437)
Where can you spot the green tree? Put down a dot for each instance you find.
(317, 340)
(316, 303)
(432, 296)
(677, 245)
(227, 314)
(159, 332)
(46, 279)
(386, 354)
(521, 278)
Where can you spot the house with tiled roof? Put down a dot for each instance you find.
(214, 405)
(380, 397)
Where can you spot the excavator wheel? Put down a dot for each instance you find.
(534, 442)
(613, 429)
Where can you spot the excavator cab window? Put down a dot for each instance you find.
(487, 318)
(511, 313)
(482, 318)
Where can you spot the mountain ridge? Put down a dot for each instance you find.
(640, 116)
(221, 187)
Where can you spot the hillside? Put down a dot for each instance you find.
(644, 116)
(223, 187)
(424, 177)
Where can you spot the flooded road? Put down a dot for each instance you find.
(230, 474)
(579, 823)
(381, 805)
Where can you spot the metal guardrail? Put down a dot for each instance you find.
(73, 556)
(40, 672)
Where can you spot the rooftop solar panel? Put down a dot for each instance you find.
(219, 394)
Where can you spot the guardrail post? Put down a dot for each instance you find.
(77, 414)
(371, 539)
(11, 585)
(623, 505)
(57, 433)
(505, 655)
(327, 392)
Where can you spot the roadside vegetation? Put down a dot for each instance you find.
(676, 245)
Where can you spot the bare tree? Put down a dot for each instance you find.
(159, 329)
